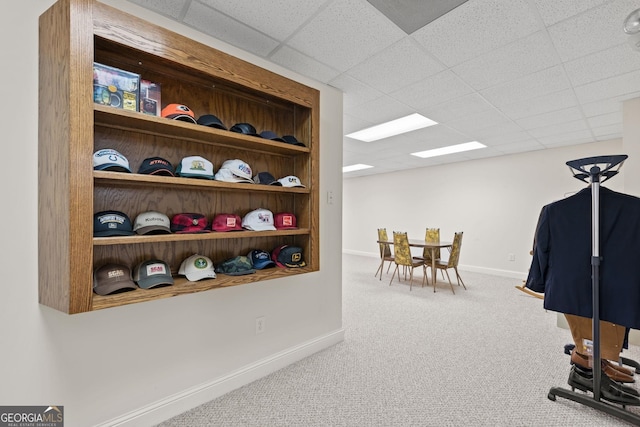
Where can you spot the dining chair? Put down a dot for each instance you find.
(452, 262)
(431, 235)
(385, 252)
(402, 257)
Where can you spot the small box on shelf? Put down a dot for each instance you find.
(115, 87)
(150, 95)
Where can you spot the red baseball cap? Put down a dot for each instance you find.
(189, 223)
(227, 222)
(285, 221)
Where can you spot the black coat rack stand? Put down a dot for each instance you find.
(596, 170)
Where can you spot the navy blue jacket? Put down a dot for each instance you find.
(561, 265)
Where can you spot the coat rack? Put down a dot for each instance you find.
(596, 170)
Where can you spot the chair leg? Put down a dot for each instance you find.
(394, 275)
(380, 269)
(459, 278)
(411, 279)
(388, 267)
(424, 275)
(450, 284)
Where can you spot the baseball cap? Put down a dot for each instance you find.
(109, 159)
(156, 166)
(260, 259)
(152, 222)
(211, 121)
(258, 220)
(111, 223)
(226, 222)
(184, 223)
(178, 112)
(195, 167)
(268, 134)
(112, 278)
(152, 273)
(290, 181)
(244, 128)
(197, 267)
(236, 266)
(265, 178)
(285, 221)
(240, 171)
(288, 256)
(290, 139)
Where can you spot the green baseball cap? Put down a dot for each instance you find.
(236, 266)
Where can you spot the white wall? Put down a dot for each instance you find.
(158, 358)
(494, 201)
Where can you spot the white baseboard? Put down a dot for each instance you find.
(188, 399)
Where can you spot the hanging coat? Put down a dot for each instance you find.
(561, 266)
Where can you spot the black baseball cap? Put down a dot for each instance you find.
(290, 139)
(267, 134)
(266, 178)
(156, 166)
(111, 223)
(244, 128)
(211, 121)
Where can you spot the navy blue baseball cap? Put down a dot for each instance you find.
(260, 259)
(267, 134)
(290, 139)
(111, 223)
(211, 121)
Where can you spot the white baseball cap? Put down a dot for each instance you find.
(239, 169)
(291, 181)
(226, 175)
(197, 267)
(259, 220)
(108, 159)
(152, 223)
(195, 167)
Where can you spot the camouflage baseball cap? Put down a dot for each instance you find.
(236, 266)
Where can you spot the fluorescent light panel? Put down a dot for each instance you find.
(357, 167)
(467, 146)
(394, 127)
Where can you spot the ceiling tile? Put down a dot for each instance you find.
(477, 27)
(171, 8)
(626, 84)
(381, 110)
(506, 138)
(605, 120)
(520, 58)
(541, 104)
(456, 108)
(333, 38)
(474, 122)
(534, 85)
(559, 129)
(302, 64)
(355, 92)
(608, 130)
(291, 14)
(552, 118)
(399, 65)
(607, 63)
(594, 30)
(433, 90)
(553, 11)
(519, 147)
(215, 24)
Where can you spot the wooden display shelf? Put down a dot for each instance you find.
(214, 235)
(132, 121)
(182, 286)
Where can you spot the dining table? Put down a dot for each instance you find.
(431, 246)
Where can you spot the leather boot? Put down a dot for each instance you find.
(616, 375)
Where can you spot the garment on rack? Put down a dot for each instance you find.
(561, 265)
(612, 336)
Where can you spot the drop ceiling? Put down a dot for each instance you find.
(516, 75)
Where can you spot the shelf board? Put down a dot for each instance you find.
(214, 235)
(182, 286)
(132, 121)
(109, 178)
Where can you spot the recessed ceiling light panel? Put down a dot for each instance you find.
(356, 167)
(394, 127)
(467, 146)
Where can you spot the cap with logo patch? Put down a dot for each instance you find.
(260, 259)
(258, 220)
(112, 278)
(291, 181)
(234, 170)
(288, 256)
(156, 166)
(285, 221)
(178, 112)
(152, 273)
(195, 167)
(111, 223)
(152, 222)
(227, 222)
(197, 267)
(109, 159)
(236, 266)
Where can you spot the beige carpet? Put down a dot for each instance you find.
(486, 356)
